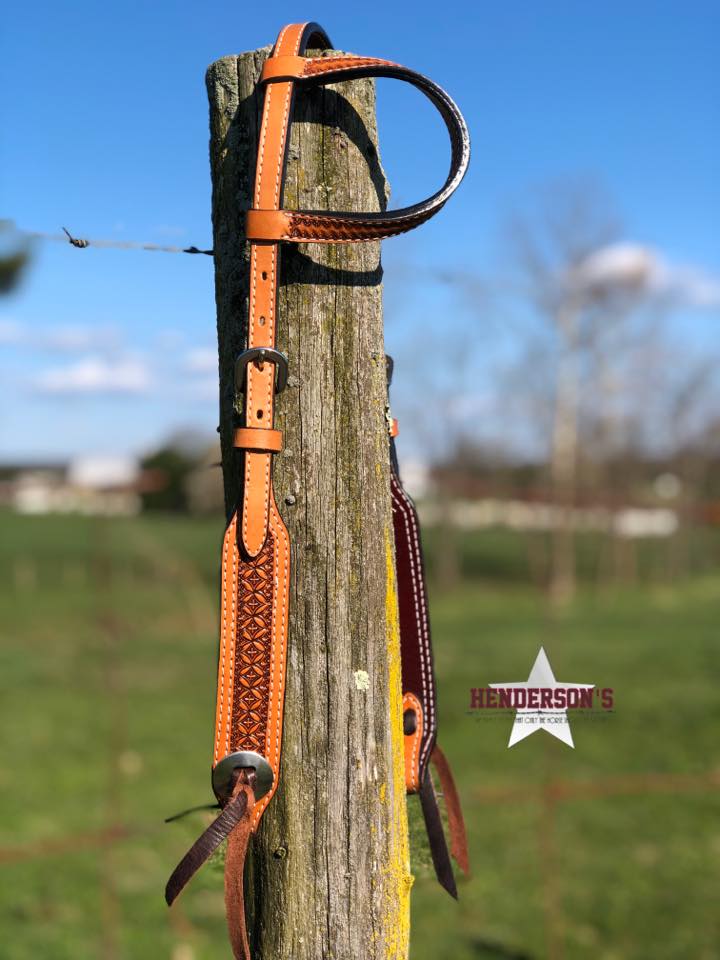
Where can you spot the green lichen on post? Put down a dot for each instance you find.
(340, 890)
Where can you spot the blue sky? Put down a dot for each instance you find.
(105, 131)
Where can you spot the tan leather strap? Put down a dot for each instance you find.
(413, 736)
(264, 275)
(258, 438)
(256, 550)
(266, 222)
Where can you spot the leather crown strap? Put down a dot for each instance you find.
(255, 573)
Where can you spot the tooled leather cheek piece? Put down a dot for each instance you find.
(255, 572)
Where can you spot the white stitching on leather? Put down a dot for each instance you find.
(273, 734)
(425, 620)
(223, 638)
(226, 682)
(414, 579)
(233, 633)
(404, 506)
(249, 457)
(248, 374)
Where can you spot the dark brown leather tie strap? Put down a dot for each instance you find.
(237, 811)
(436, 836)
(307, 225)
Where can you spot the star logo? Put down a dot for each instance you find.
(548, 716)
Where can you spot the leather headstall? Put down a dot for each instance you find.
(255, 573)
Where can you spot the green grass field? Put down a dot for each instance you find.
(608, 851)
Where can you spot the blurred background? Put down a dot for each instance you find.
(562, 312)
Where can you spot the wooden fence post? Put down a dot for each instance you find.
(329, 874)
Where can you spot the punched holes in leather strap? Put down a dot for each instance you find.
(258, 438)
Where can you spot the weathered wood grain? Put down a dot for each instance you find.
(329, 876)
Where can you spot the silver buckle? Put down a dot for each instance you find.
(222, 774)
(261, 355)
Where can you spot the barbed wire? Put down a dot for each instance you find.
(81, 243)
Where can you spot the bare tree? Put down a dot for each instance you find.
(582, 375)
(578, 287)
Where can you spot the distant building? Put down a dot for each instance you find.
(107, 486)
(525, 515)
(416, 478)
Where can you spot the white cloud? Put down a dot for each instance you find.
(637, 267)
(694, 287)
(205, 388)
(95, 375)
(75, 339)
(620, 264)
(201, 360)
(64, 338)
(469, 404)
(169, 339)
(10, 332)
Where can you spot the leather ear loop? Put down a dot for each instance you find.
(456, 821)
(347, 227)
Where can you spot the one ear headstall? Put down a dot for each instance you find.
(256, 553)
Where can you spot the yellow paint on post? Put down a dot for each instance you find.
(397, 877)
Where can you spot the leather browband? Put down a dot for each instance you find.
(255, 575)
